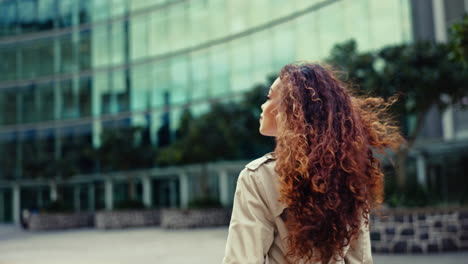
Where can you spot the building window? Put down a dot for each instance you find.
(219, 70)
(27, 10)
(8, 65)
(69, 98)
(100, 46)
(139, 37)
(8, 19)
(199, 69)
(179, 80)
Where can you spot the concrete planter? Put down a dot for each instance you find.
(419, 230)
(54, 221)
(127, 218)
(192, 218)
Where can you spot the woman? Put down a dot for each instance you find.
(309, 200)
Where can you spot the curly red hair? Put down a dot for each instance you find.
(329, 176)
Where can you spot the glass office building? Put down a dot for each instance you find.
(70, 69)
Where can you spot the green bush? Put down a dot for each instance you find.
(129, 204)
(410, 196)
(204, 202)
(57, 206)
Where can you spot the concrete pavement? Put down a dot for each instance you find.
(144, 245)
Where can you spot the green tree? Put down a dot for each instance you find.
(8, 163)
(123, 149)
(422, 72)
(459, 40)
(228, 131)
(40, 159)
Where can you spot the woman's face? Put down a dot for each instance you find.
(268, 125)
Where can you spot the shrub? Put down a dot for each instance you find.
(129, 204)
(204, 202)
(57, 206)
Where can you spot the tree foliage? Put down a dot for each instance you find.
(228, 131)
(459, 40)
(124, 148)
(421, 72)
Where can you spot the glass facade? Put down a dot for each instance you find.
(68, 68)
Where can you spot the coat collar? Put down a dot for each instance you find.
(255, 164)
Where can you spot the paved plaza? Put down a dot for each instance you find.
(143, 245)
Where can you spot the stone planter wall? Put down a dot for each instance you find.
(127, 218)
(419, 230)
(53, 221)
(191, 218)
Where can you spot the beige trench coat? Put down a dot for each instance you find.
(257, 229)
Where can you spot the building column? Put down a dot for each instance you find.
(2, 206)
(19, 144)
(184, 190)
(172, 193)
(162, 186)
(16, 204)
(447, 124)
(91, 197)
(440, 31)
(97, 129)
(53, 191)
(109, 194)
(147, 191)
(40, 199)
(223, 187)
(421, 169)
(440, 26)
(76, 198)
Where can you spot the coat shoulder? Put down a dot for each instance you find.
(257, 163)
(262, 170)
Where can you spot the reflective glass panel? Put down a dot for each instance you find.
(46, 14)
(158, 38)
(8, 20)
(385, 23)
(331, 26)
(29, 103)
(179, 77)
(199, 69)
(119, 88)
(46, 101)
(241, 58)
(218, 18)
(117, 55)
(8, 65)
(159, 83)
(139, 96)
(177, 27)
(67, 54)
(27, 11)
(69, 98)
(84, 50)
(66, 10)
(139, 37)
(262, 62)
(100, 10)
(8, 106)
(357, 23)
(85, 97)
(219, 70)
(198, 22)
(100, 46)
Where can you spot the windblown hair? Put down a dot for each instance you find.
(330, 179)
